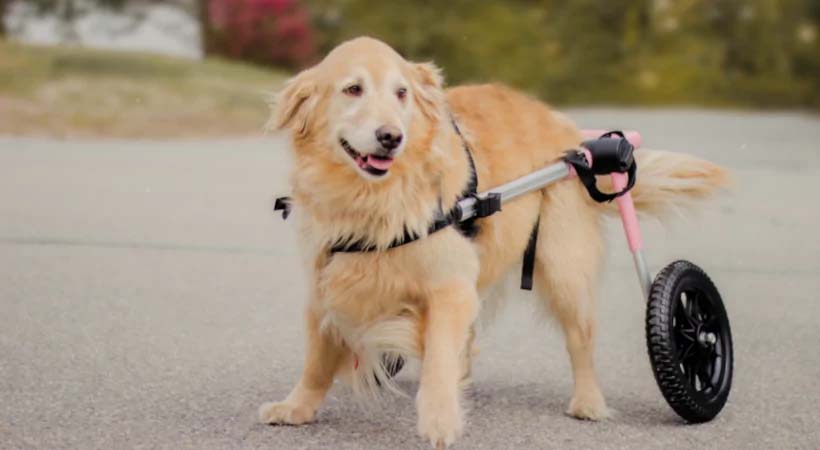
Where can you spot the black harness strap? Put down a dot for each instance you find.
(528, 266)
(484, 206)
(610, 153)
(442, 220)
(285, 204)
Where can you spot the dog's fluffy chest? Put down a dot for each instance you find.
(386, 293)
(360, 290)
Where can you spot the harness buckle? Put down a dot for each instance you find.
(488, 205)
(611, 153)
(284, 204)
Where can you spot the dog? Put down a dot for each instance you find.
(379, 151)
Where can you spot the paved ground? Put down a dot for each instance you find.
(149, 299)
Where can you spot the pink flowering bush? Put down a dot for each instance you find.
(276, 32)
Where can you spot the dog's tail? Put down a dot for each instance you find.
(670, 182)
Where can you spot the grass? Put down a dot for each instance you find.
(70, 91)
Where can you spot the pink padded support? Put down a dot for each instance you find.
(626, 206)
(632, 136)
(628, 215)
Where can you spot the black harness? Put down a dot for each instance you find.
(611, 153)
(484, 206)
(441, 221)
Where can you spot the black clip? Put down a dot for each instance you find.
(611, 152)
(488, 205)
(285, 204)
(609, 155)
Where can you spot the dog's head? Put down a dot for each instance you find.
(363, 107)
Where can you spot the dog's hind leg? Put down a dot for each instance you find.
(568, 256)
(322, 360)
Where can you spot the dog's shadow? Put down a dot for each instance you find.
(388, 423)
(392, 423)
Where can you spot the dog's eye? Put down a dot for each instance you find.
(354, 90)
(401, 93)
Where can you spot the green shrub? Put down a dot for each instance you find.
(710, 52)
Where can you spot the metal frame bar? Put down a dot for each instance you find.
(518, 187)
(562, 170)
(551, 174)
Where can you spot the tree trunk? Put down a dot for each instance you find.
(3, 18)
(205, 29)
(67, 15)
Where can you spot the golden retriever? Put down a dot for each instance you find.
(376, 154)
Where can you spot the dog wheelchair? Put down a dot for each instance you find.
(688, 336)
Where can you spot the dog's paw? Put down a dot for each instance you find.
(284, 413)
(440, 419)
(589, 405)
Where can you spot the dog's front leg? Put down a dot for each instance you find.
(322, 360)
(451, 310)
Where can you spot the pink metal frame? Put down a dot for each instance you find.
(626, 207)
(560, 170)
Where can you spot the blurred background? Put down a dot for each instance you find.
(149, 297)
(202, 67)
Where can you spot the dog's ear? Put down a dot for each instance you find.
(293, 105)
(429, 89)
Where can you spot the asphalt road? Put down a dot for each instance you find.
(150, 299)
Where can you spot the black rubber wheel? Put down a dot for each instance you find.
(689, 342)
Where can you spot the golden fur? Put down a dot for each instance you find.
(422, 299)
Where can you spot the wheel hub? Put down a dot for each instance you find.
(707, 339)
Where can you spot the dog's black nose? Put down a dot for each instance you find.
(388, 136)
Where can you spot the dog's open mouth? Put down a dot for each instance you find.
(372, 164)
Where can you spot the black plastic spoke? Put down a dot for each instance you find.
(690, 374)
(685, 334)
(705, 307)
(690, 311)
(705, 374)
(695, 308)
(709, 323)
(682, 316)
(686, 352)
(712, 323)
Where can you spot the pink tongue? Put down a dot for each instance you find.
(379, 163)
